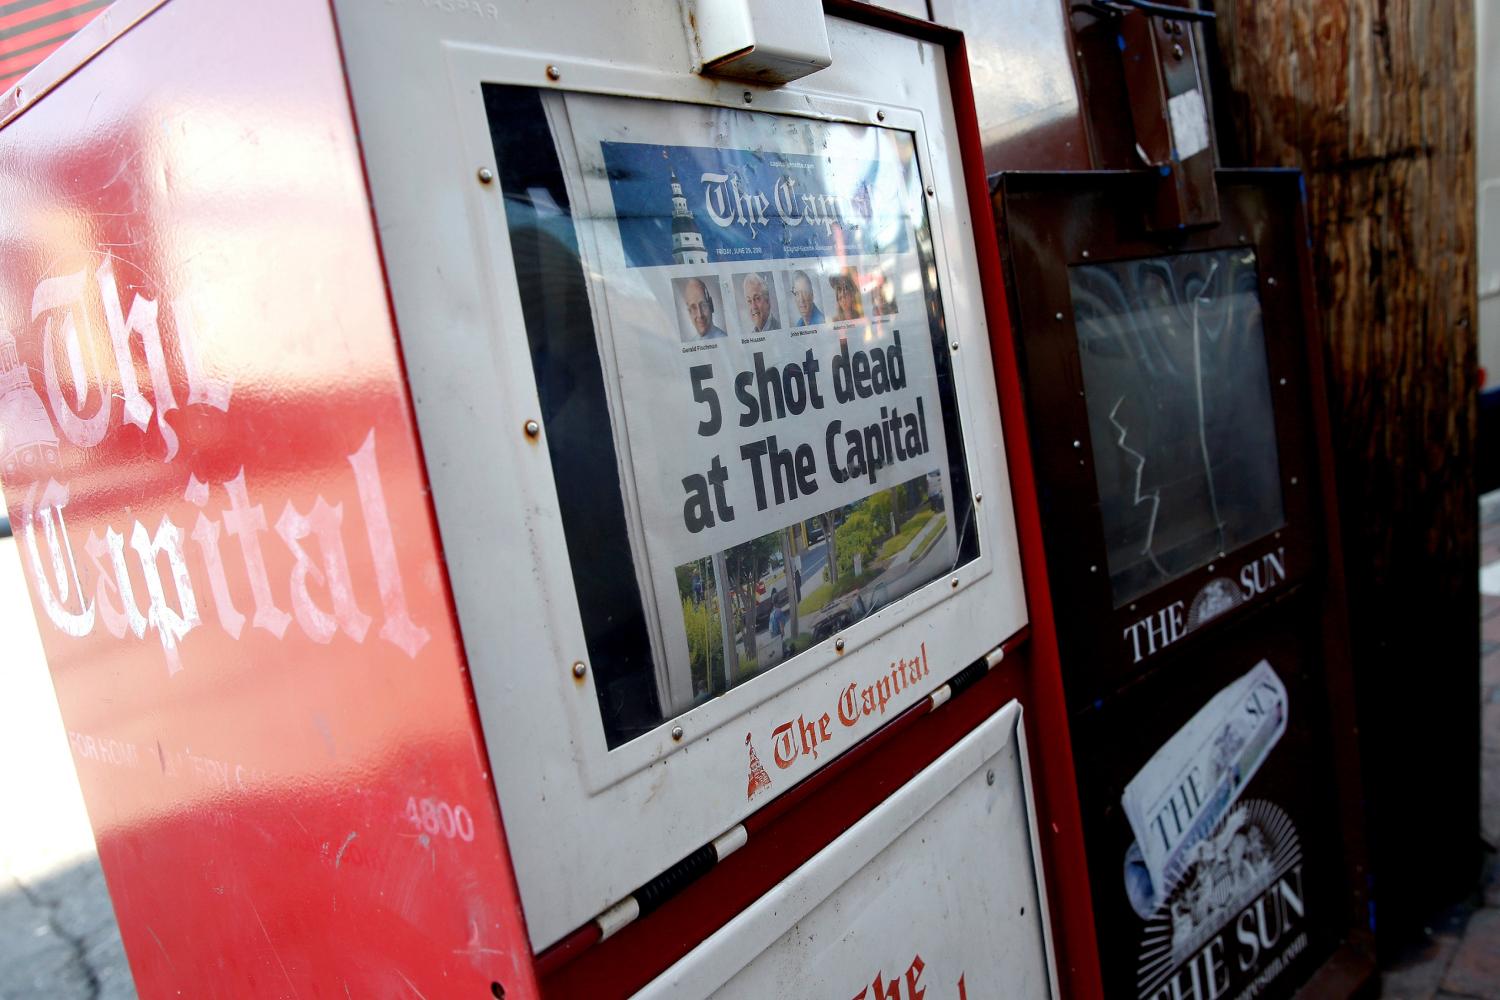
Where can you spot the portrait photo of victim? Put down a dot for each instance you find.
(805, 309)
(845, 286)
(758, 302)
(882, 289)
(697, 302)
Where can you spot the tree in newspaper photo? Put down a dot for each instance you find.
(790, 589)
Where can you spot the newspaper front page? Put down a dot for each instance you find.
(765, 313)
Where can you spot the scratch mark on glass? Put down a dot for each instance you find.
(1208, 469)
(1154, 496)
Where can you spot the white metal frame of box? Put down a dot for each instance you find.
(587, 825)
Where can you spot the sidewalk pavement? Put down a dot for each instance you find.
(58, 937)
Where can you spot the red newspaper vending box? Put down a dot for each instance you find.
(526, 498)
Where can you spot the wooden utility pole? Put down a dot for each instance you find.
(1374, 100)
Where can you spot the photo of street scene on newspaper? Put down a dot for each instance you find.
(791, 589)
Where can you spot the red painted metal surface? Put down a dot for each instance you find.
(218, 493)
(210, 460)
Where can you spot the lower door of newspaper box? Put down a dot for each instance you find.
(937, 894)
(1231, 879)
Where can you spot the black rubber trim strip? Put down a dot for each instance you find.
(672, 881)
(968, 676)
